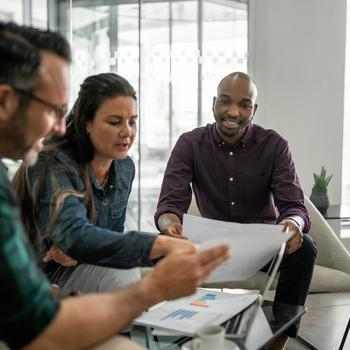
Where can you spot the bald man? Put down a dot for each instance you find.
(241, 172)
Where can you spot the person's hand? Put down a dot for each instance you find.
(164, 245)
(296, 241)
(174, 230)
(180, 273)
(55, 289)
(56, 254)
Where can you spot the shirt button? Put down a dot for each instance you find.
(105, 202)
(231, 153)
(231, 179)
(232, 203)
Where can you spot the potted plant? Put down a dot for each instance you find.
(319, 191)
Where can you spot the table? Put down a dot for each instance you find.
(272, 321)
(338, 217)
(337, 212)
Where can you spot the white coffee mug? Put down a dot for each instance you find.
(209, 337)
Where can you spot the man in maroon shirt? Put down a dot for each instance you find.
(243, 173)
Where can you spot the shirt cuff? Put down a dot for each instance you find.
(297, 220)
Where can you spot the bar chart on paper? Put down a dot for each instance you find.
(185, 315)
(180, 314)
(204, 301)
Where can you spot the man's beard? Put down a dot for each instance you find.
(228, 133)
(30, 157)
(15, 135)
(231, 132)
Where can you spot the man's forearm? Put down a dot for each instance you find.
(87, 320)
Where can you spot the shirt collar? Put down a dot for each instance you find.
(93, 178)
(3, 166)
(111, 175)
(216, 136)
(242, 142)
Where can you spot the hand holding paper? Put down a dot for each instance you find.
(252, 246)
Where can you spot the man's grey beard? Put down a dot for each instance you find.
(30, 157)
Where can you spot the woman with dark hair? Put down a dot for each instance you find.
(74, 199)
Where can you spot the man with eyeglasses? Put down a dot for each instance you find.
(34, 91)
(33, 115)
(61, 111)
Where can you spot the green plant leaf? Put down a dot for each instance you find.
(321, 181)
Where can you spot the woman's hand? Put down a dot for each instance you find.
(56, 254)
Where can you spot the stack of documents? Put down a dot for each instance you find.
(252, 246)
(185, 315)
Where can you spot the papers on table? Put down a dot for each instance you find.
(185, 315)
(252, 246)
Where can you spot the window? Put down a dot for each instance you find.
(39, 13)
(174, 53)
(11, 10)
(345, 231)
(20, 12)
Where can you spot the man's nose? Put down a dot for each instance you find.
(60, 127)
(233, 110)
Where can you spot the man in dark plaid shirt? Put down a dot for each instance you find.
(22, 287)
(27, 305)
(34, 91)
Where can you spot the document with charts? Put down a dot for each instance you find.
(252, 246)
(185, 315)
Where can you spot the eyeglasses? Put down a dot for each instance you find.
(61, 111)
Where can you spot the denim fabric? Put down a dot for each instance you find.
(102, 244)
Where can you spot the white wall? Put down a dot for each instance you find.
(297, 59)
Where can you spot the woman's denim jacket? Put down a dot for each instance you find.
(102, 244)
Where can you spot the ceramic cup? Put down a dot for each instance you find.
(209, 337)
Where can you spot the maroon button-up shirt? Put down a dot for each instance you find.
(253, 181)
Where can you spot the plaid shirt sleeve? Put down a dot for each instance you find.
(26, 303)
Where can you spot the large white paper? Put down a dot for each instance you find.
(185, 315)
(252, 246)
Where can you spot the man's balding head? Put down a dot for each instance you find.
(234, 106)
(235, 76)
